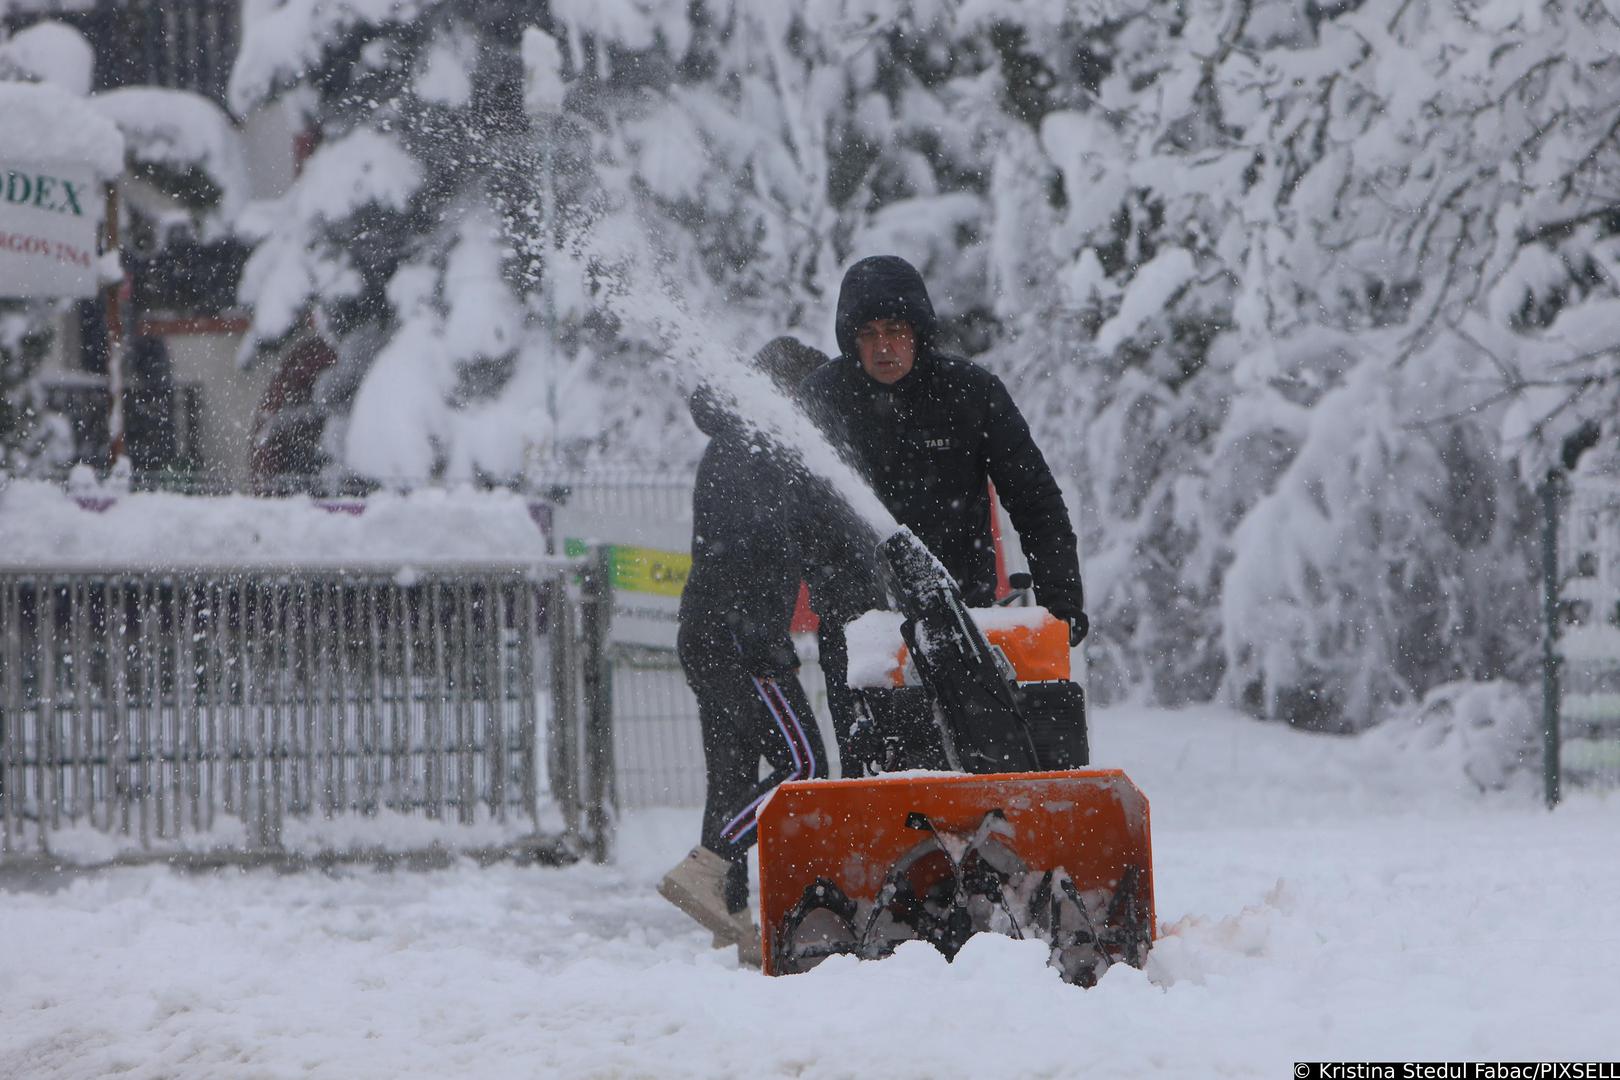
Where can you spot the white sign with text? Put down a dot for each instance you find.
(50, 217)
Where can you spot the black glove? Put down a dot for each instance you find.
(1079, 625)
(861, 752)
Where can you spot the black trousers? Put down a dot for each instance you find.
(745, 716)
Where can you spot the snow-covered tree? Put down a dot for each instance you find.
(185, 153)
(1449, 227)
(30, 437)
(1229, 246)
(789, 142)
(409, 240)
(1114, 288)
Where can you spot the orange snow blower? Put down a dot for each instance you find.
(981, 817)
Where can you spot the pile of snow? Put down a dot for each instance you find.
(181, 131)
(347, 834)
(43, 526)
(1488, 733)
(1317, 900)
(874, 648)
(543, 84)
(41, 122)
(1149, 294)
(283, 39)
(347, 174)
(49, 52)
(454, 314)
(360, 169)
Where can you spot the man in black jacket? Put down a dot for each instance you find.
(931, 432)
(760, 523)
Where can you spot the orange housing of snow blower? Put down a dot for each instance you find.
(1002, 843)
(1090, 823)
(1034, 642)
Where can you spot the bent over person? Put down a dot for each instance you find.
(931, 432)
(751, 528)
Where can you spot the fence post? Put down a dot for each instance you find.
(1552, 492)
(601, 795)
(10, 720)
(562, 757)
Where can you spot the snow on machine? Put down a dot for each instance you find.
(983, 816)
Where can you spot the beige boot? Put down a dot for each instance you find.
(749, 951)
(697, 885)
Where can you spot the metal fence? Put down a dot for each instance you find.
(182, 712)
(658, 744)
(1582, 659)
(632, 494)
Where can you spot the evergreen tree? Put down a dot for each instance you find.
(1226, 280)
(410, 239)
(30, 438)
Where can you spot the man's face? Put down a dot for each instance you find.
(887, 349)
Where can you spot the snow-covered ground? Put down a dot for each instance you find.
(1318, 900)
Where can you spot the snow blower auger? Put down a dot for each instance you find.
(1016, 838)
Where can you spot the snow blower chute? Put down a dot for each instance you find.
(1017, 837)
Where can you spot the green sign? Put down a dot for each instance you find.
(640, 569)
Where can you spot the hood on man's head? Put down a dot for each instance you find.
(788, 361)
(883, 287)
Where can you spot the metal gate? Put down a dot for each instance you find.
(657, 747)
(183, 712)
(1582, 660)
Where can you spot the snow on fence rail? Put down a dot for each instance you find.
(267, 712)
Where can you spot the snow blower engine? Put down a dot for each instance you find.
(981, 815)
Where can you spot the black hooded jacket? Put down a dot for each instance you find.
(929, 443)
(761, 525)
(746, 559)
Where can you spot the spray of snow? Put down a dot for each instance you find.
(643, 298)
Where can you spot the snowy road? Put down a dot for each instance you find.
(1319, 901)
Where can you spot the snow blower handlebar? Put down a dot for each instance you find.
(978, 719)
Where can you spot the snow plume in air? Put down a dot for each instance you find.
(643, 298)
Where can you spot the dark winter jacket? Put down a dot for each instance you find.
(930, 442)
(760, 525)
